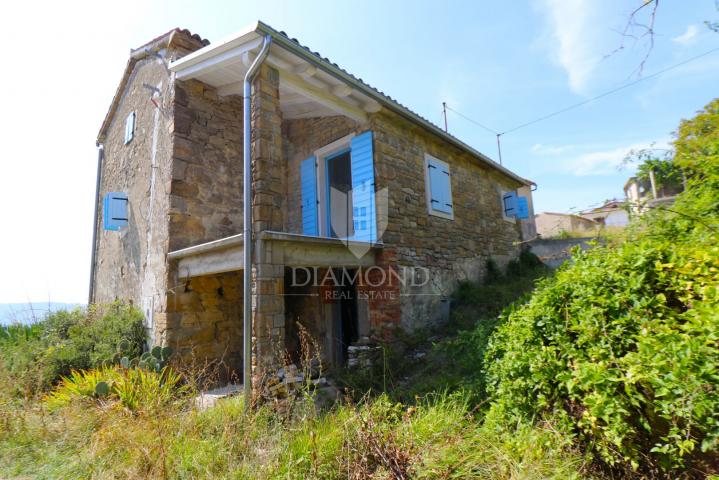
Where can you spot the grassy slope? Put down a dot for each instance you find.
(424, 426)
(617, 354)
(438, 438)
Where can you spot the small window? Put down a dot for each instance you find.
(438, 184)
(129, 127)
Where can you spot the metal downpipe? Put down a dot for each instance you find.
(100, 158)
(247, 221)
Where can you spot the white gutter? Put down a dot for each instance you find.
(247, 221)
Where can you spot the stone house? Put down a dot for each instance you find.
(364, 215)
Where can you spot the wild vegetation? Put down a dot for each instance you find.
(606, 368)
(621, 345)
(36, 356)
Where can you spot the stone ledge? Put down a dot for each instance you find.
(233, 241)
(311, 239)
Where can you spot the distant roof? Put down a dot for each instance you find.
(608, 205)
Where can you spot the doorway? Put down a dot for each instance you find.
(338, 169)
(348, 321)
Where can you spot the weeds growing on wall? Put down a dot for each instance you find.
(449, 357)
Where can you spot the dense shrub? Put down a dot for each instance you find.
(624, 342)
(37, 356)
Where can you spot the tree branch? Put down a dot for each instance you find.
(637, 31)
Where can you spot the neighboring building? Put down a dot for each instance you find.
(346, 182)
(551, 224)
(642, 196)
(612, 214)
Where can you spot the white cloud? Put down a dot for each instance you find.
(608, 161)
(602, 162)
(688, 37)
(553, 150)
(574, 46)
(590, 160)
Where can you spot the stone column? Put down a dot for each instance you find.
(269, 187)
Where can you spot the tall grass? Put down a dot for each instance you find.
(438, 438)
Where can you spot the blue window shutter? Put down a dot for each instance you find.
(308, 182)
(522, 208)
(509, 202)
(106, 223)
(440, 186)
(363, 196)
(115, 211)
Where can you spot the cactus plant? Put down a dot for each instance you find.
(157, 352)
(102, 389)
(156, 359)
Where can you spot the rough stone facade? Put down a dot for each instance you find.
(208, 314)
(206, 188)
(130, 264)
(183, 176)
(453, 250)
(268, 213)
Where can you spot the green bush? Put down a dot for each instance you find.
(624, 342)
(36, 357)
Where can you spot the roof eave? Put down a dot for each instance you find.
(308, 56)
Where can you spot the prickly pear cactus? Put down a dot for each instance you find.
(102, 389)
(156, 359)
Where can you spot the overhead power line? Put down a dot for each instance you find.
(575, 105)
(490, 130)
(609, 92)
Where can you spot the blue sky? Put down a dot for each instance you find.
(500, 63)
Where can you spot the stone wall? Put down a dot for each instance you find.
(204, 321)
(554, 252)
(453, 250)
(130, 264)
(269, 186)
(206, 188)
